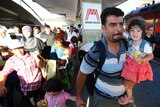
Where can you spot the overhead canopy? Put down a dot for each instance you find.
(13, 14)
(72, 8)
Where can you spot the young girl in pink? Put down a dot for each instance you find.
(55, 96)
(137, 67)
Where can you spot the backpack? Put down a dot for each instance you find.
(91, 78)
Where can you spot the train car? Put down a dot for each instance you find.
(151, 14)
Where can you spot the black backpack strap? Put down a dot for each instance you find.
(102, 54)
(92, 78)
(125, 42)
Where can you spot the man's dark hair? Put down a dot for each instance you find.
(110, 11)
(53, 85)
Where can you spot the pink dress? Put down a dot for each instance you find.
(57, 101)
(137, 72)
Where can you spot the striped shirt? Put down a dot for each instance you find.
(109, 81)
(27, 71)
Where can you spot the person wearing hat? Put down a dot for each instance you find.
(30, 42)
(27, 65)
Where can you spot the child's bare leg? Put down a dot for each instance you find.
(129, 93)
(129, 86)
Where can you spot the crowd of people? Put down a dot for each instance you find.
(31, 56)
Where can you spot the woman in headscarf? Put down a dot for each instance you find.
(30, 42)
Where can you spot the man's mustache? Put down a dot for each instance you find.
(118, 33)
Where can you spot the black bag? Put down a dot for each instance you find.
(91, 78)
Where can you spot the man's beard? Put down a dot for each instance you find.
(118, 38)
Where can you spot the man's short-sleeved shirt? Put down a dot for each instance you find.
(113, 65)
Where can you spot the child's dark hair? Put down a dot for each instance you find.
(110, 11)
(137, 22)
(74, 39)
(53, 85)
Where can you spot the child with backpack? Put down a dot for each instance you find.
(137, 67)
(55, 96)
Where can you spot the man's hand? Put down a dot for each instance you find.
(3, 90)
(80, 102)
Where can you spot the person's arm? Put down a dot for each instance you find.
(3, 89)
(153, 46)
(8, 68)
(81, 77)
(70, 52)
(39, 60)
(73, 98)
(147, 58)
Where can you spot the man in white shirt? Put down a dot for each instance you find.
(71, 33)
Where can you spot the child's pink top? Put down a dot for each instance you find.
(57, 101)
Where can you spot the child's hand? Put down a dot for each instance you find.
(138, 60)
(42, 103)
(39, 103)
(137, 56)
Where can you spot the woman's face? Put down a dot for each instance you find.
(26, 33)
(58, 30)
(135, 33)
